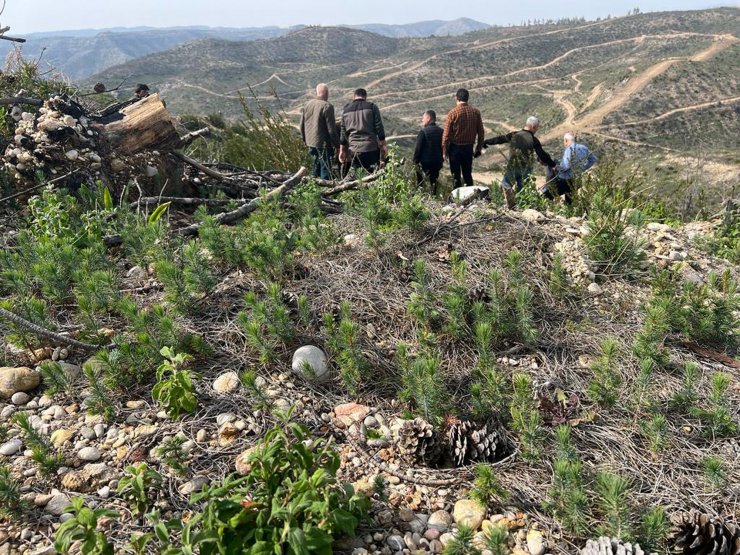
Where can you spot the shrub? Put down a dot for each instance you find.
(41, 451)
(174, 389)
(423, 384)
(185, 275)
(525, 416)
(173, 455)
(486, 487)
(343, 341)
(422, 302)
(654, 528)
(82, 530)
(136, 484)
(604, 387)
(462, 543)
(267, 322)
(56, 380)
(612, 501)
(11, 505)
(568, 500)
(290, 502)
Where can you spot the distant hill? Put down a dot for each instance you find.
(84, 52)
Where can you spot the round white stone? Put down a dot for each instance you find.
(11, 447)
(310, 362)
(89, 454)
(20, 398)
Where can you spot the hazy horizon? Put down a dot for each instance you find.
(44, 16)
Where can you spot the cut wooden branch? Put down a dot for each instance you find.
(38, 330)
(243, 211)
(347, 186)
(185, 140)
(187, 201)
(10, 100)
(200, 167)
(37, 187)
(722, 358)
(146, 125)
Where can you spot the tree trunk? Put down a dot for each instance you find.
(145, 125)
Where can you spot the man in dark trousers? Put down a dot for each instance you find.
(428, 152)
(319, 131)
(462, 125)
(362, 137)
(523, 145)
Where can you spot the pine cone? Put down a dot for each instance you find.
(469, 442)
(606, 546)
(417, 441)
(698, 533)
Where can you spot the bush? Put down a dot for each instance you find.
(343, 341)
(82, 530)
(290, 502)
(174, 389)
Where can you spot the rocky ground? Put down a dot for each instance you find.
(424, 506)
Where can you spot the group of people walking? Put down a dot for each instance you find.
(361, 142)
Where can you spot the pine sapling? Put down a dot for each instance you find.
(525, 416)
(714, 472)
(486, 487)
(612, 500)
(604, 387)
(654, 529)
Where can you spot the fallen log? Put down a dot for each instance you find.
(243, 211)
(145, 125)
(11, 100)
(185, 140)
(186, 201)
(200, 167)
(38, 330)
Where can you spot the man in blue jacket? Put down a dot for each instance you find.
(577, 158)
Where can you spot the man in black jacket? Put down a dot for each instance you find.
(362, 134)
(428, 152)
(523, 145)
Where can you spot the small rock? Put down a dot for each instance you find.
(13, 380)
(42, 499)
(61, 437)
(470, 513)
(439, 521)
(196, 484)
(536, 543)
(310, 362)
(225, 418)
(20, 398)
(595, 289)
(532, 215)
(201, 436)
(463, 195)
(11, 447)
(396, 543)
(89, 454)
(226, 383)
(349, 413)
(137, 273)
(72, 155)
(406, 515)
(57, 504)
(243, 467)
(104, 492)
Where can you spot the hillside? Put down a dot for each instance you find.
(79, 54)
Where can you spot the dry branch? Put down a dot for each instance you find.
(9, 101)
(185, 140)
(200, 167)
(243, 211)
(349, 185)
(186, 201)
(38, 330)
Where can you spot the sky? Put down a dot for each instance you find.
(28, 16)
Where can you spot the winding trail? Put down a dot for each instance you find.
(714, 103)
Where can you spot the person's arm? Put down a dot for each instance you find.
(343, 141)
(566, 162)
(303, 125)
(331, 125)
(590, 161)
(449, 122)
(543, 156)
(498, 140)
(481, 136)
(419, 147)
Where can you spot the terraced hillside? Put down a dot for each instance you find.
(653, 85)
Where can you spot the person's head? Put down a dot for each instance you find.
(430, 116)
(533, 124)
(322, 91)
(141, 90)
(569, 138)
(462, 95)
(360, 94)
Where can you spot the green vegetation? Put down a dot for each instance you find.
(174, 389)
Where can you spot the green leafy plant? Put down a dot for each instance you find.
(11, 505)
(655, 432)
(174, 389)
(568, 501)
(612, 491)
(257, 391)
(525, 416)
(267, 322)
(714, 472)
(604, 387)
(486, 486)
(136, 485)
(56, 379)
(343, 341)
(462, 543)
(423, 384)
(290, 502)
(654, 528)
(42, 452)
(82, 529)
(173, 455)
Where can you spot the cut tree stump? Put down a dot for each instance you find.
(145, 125)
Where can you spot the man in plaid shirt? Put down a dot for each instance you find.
(462, 126)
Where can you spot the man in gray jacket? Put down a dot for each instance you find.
(319, 131)
(362, 134)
